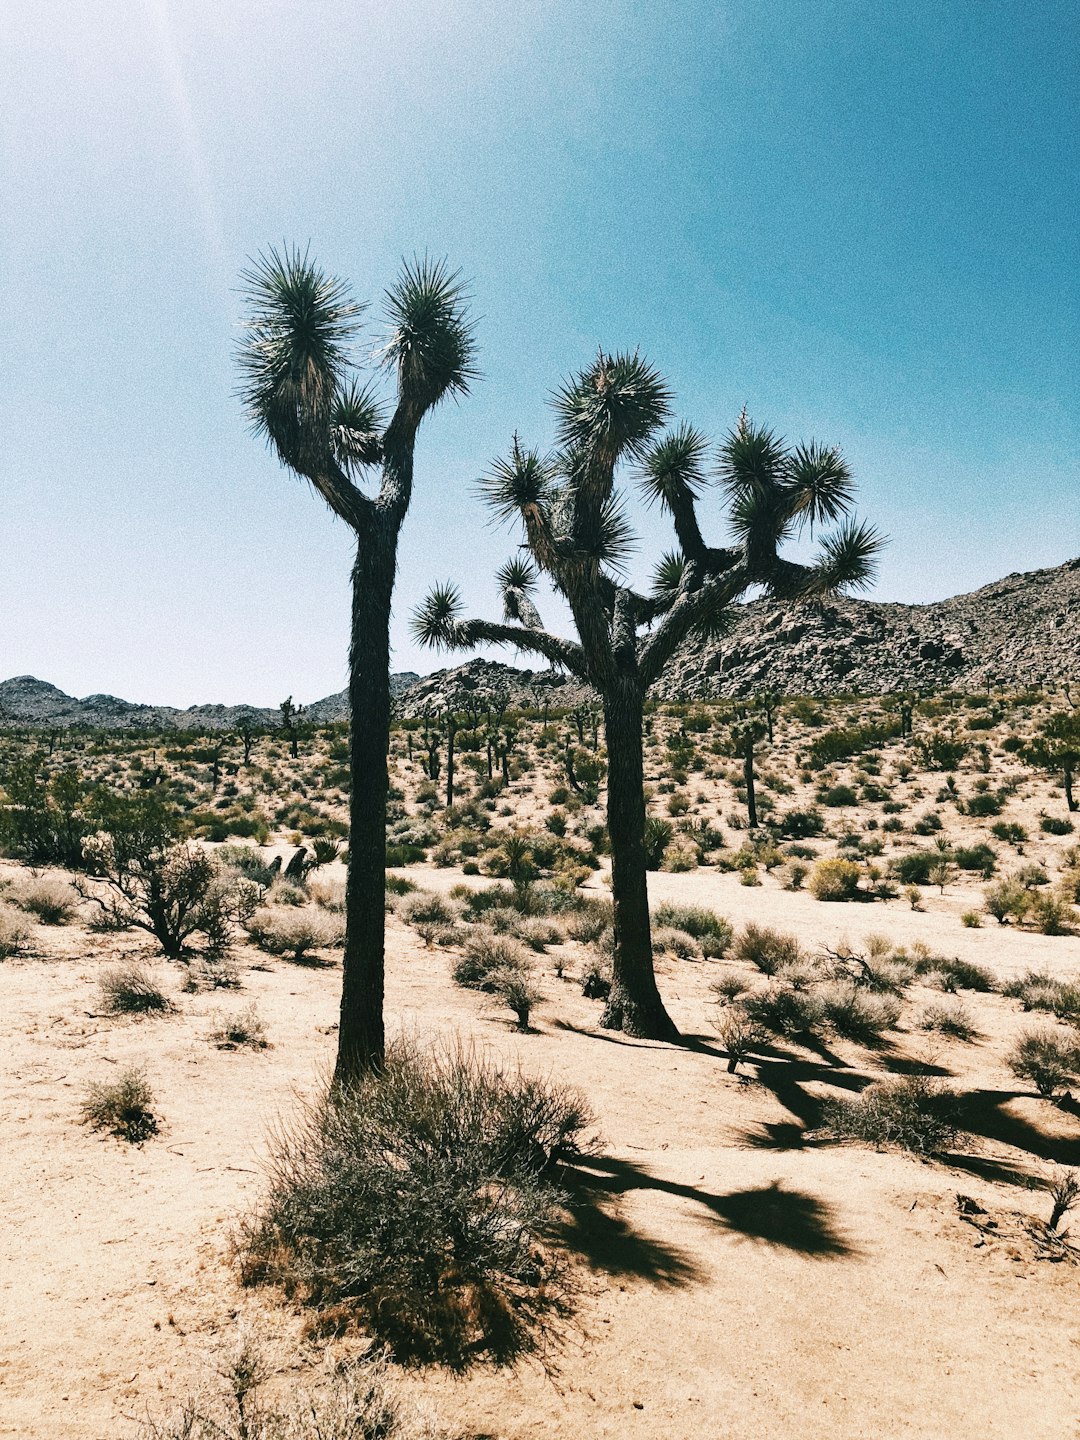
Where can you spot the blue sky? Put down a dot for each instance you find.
(859, 219)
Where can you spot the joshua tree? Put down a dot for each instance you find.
(245, 733)
(1058, 748)
(577, 535)
(290, 714)
(745, 736)
(303, 395)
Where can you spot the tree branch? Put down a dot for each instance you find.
(463, 634)
(693, 608)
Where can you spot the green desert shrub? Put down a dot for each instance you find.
(420, 1201)
(838, 796)
(834, 880)
(1007, 900)
(1051, 825)
(916, 1112)
(950, 973)
(122, 1106)
(706, 926)
(914, 868)
(244, 1029)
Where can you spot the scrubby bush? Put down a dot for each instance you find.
(784, 1010)
(740, 1036)
(670, 940)
(838, 796)
(728, 988)
(596, 978)
(859, 1015)
(952, 974)
(706, 926)
(419, 1200)
(242, 1030)
(765, 948)
(488, 956)
(122, 1106)
(916, 1112)
(1051, 915)
(1051, 825)
(834, 880)
(294, 933)
(48, 898)
(914, 867)
(130, 990)
(948, 1019)
(1006, 900)
(15, 931)
(352, 1401)
(975, 857)
(516, 988)
(1046, 1058)
(589, 922)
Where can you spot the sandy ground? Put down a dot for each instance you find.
(740, 1281)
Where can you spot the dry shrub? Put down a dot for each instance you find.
(486, 956)
(948, 1019)
(669, 940)
(784, 1011)
(353, 1400)
(835, 880)
(242, 1030)
(589, 922)
(418, 1200)
(1047, 1058)
(129, 989)
(766, 948)
(858, 1014)
(122, 1106)
(916, 1112)
(15, 931)
(740, 1036)
(52, 900)
(329, 895)
(295, 933)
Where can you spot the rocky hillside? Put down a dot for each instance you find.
(1024, 629)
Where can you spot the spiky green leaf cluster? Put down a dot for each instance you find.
(432, 346)
(295, 354)
(433, 620)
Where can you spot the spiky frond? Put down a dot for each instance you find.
(514, 485)
(759, 520)
(751, 460)
(516, 581)
(821, 487)
(612, 408)
(432, 344)
(294, 356)
(674, 468)
(606, 538)
(433, 619)
(356, 426)
(517, 574)
(716, 617)
(668, 576)
(848, 559)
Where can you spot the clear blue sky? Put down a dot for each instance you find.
(859, 218)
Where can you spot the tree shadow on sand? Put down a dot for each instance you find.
(769, 1214)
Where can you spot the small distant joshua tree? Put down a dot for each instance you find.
(302, 393)
(577, 536)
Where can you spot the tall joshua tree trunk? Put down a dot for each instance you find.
(361, 1032)
(748, 777)
(634, 1004)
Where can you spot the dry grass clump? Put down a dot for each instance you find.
(242, 1030)
(486, 957)
(15, 931)
(1047, 1058)
(952, 1019)
(350, 1401)
(122, 1106)
(129, 989)
(670, 940)
(711, 930)
(784, 1010)
(51, 900)
(858, 1014)
(329, 895)
(950, 974)
(416, 1202)
(295, 933)
(916, 1112)
(740, 1036)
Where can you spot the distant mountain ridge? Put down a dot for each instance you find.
(1023, 629)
